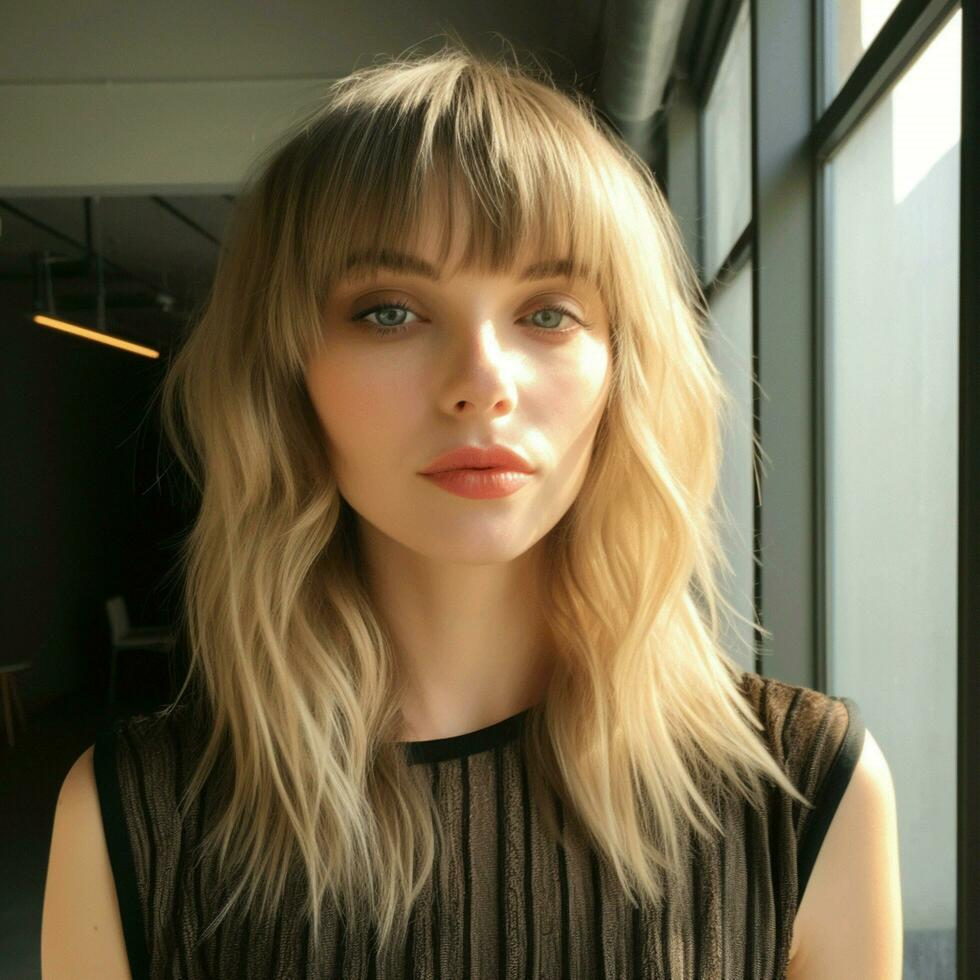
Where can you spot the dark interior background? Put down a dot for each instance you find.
(90, 508)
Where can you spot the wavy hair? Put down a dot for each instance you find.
(643, 723)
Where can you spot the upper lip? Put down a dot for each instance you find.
(479, 457)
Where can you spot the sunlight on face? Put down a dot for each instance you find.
(411, 368)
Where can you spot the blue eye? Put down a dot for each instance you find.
(384, 330)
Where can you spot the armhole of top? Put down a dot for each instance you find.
(830, 794)
(120, 852)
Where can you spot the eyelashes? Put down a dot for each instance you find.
(385, 330)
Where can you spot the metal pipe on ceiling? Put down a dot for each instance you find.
(641, 38)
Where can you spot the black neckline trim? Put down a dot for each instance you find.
(468, 743)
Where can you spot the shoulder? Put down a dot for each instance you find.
(791, 712)
(81, 927)
(847, 843)
(148, 755)
(854, 893)
(116, 826)
(815, 737)
(78, 795)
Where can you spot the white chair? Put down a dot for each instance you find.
(156, 639)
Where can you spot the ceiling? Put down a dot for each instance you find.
(127, 130)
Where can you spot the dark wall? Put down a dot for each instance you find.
(86, 510)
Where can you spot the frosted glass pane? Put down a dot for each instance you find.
(892, 356)
(730, 346)
(728, 149)
(850, 27)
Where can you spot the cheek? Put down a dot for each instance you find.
(359, 411)
(597, 369)
(577, 392)
(581, 414)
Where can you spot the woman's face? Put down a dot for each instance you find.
(468, 367)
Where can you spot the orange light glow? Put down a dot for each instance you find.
(102, 338)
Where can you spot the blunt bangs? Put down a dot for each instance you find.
(527, 187)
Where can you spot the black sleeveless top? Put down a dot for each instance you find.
(517, 905)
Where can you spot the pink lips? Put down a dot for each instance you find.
(479, 458)
(480, 484)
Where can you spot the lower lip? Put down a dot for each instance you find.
(480, 484)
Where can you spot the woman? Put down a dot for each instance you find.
(476, 724)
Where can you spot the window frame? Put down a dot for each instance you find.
(785, 240)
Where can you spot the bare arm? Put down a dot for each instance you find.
(81, 928)
(850, 920)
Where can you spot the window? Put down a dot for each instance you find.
(727, 149)
(730, 346)
(851, 27)
(892, 328)
(835, 295)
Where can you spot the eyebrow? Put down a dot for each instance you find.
(395, 261)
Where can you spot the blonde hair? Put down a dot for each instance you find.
(643, 724)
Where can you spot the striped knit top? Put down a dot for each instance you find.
(509, 902)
